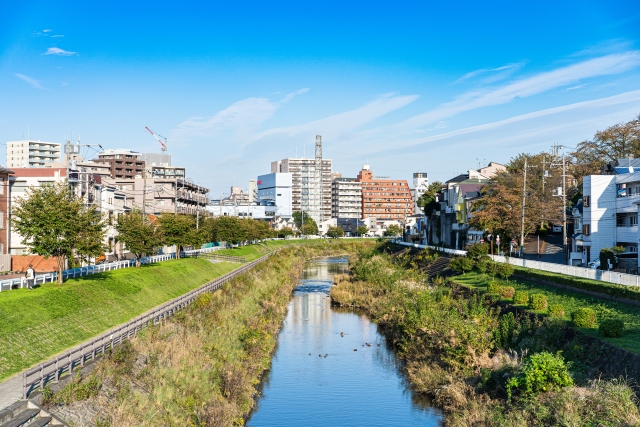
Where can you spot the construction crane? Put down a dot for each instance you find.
(164, 144)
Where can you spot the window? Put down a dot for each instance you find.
(634, 220)
(586, 229)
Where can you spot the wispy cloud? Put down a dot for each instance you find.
(46, 31)
(576, 87)
(33, 82)
(55, 36)
(497, 73)
(58, 51)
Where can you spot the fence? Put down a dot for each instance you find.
(570, 270)
(98, 268)
(587, 273)
(52, 370)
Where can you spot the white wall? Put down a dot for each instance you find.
(600, 215)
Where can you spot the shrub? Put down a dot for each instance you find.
(493, 288)
(507, 292)
(505, 271)
(521, 298)
(584, 318)
(461, 264)
(477, 250)
(607, 257)
(612, 328)
(493, 267)
(540, 372)
(482, 265)
(538, 302)
(556, 310)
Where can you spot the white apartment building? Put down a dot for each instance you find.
(346, 198)
(275, 192)
(610, 214)
(32, 154)
(420, 186)
(302, 171)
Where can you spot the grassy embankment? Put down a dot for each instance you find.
(252, 252)
(37, 324)
(571, 302)
(200, 368)
(460, 351)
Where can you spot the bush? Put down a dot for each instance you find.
(493, 288)
(538, 302)
(477, 250)
(612, 328)
(521, 298)
(607, 257)
(461, 264)
(493, 267)
(584, 318)
(556, 310)
(507, 292)
(540, 372)
(482, 265)
(505, 271)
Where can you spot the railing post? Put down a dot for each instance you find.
(41, 377)
(57, 370)
(24, 385)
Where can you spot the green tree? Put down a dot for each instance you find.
(461, 264)
(229, 229)
(362, 230)
(284, 232)
(140, 235)
(179, 230)
(393, 230)
(335, 232)
(309, 227)
(427, 201)
(53, 221)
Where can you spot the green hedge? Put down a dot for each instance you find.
(601, 287)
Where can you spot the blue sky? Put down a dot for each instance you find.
(402, 86)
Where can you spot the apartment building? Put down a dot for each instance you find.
(32, 154)
(346, 198)
(158, 195)
(154, 171)
(5, 175)
(420, 186)
(304, 188)
(123, 163)
(383, 197)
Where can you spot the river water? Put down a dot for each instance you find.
(316, 377)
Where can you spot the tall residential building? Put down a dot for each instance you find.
(383, 197)
(253, 191)
(303, 172)
(5, 175)
(275, 192)
(346, 198)
(420, 186)
(32, 154)
(125, 164)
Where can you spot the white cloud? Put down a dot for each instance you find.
(576, 87)
(46, 31)
(55, 36)
(58, 51)
(33, 82)
(499, 73)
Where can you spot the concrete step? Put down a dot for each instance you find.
(41, 422)
(23, 418)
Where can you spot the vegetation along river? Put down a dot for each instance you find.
(332, 368)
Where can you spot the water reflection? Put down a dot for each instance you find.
(332, 368)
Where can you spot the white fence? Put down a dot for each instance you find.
(98, 268)
(569, 270)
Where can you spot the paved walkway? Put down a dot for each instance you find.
(11, 391)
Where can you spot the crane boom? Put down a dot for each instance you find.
(164, 144)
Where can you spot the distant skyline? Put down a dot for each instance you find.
(403, 87)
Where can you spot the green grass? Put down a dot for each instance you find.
(35, 325)
(252, 252)
(571, 301)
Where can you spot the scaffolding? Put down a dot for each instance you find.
(311, 185)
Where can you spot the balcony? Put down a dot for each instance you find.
(627, 234)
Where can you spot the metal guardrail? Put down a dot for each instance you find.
(225, 258)
(98, 268)
(434, 248)
(52, 370)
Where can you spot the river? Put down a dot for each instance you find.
(331, 367)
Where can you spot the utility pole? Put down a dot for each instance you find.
(564, 208)
(524, 200)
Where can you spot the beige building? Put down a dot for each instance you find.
(346, 198)
(32, 154)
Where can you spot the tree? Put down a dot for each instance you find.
(619, 141)
(393, 230)
(284, 232)
(427, 201)
(461, 264)
(179, 230)
(309, 227)
(499, 209)
(505, 271)
(362, 230)
(53, 221)
(140, 235)
(477, 251)
(335, 232)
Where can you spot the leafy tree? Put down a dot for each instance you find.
(179, 230)
(140, 235)
(477, 250)
(309, 227)
(362, 230)
(461, 264)
(615, 142)
(427, 201)
(335, 232)
(53, 221)
(284, 232)
(505, 271)
(393, 230)
(228, 229)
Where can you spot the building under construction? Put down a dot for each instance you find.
(311, 183)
